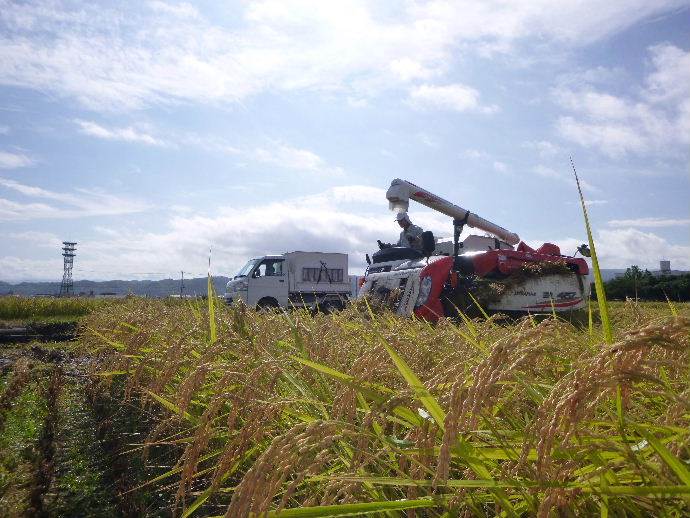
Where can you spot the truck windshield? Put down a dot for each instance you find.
(247, 268)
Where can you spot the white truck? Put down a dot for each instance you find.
(312, 280)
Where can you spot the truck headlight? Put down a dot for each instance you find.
(424, 291)
(243, 285)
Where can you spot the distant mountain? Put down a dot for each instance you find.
(161, 288)
(608, 273)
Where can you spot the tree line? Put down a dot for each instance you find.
(641, 284)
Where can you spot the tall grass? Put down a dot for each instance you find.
(357, 412)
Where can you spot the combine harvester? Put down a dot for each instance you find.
(481, 273)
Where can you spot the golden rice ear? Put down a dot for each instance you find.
(363, 411)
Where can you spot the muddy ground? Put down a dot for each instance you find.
(67, 446)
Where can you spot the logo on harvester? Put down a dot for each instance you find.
(561, 297)
(524, 293)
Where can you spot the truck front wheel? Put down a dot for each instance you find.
(267, 303)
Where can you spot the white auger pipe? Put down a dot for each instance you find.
(401, 191)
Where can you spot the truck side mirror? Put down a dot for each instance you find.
(428, 243)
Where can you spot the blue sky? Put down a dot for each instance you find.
(153, 131)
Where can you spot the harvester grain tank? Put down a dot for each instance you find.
(496, 272)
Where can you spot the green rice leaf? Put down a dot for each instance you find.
(114, 344)
(173, 407)
(479, 306)
(671, 306)
(109, 374)
(211, 310)
(356, 509)
(598, 279)
(432, 406)
(673, 462)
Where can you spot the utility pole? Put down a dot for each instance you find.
(68, 252)
(181, 283)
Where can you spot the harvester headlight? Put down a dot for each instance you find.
(424, 291)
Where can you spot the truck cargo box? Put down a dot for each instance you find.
(317, 272)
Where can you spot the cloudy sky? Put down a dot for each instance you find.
(153, 131)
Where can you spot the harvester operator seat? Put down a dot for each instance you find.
(395, 253)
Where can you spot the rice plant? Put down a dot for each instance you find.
(23, 308)
(360, 412)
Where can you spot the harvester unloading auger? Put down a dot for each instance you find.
(497, 273)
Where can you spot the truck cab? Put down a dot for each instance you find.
(261, 282)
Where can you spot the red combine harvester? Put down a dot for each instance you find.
(496, 272)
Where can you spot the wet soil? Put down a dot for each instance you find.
(38, 331)
(67, 446)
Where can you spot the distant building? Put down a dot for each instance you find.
(665, 269)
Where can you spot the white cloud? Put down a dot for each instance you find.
(16, 269)
(114, 59)
(355, 102)
(613, 139)
(594, 104)
(500, 167)
(347, 219)
(41, 239)
(273, 152)
(544, 148)
(14, 160)
(407, 69)
(621, 248)
(655, 121)
(548, 172)
(600, 75)
(126, 134)
(83, 203)
(428, 140)
(670, 79)
(474, 154)
(284, 156)
(456, 97)
(650, 222)
(180, 10)
(627, 246)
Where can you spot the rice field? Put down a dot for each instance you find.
(14, 308)
(289, 414)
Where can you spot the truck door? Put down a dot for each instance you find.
(268, 282)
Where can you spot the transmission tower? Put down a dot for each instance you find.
(68, 252)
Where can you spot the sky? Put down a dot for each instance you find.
(151, 132)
